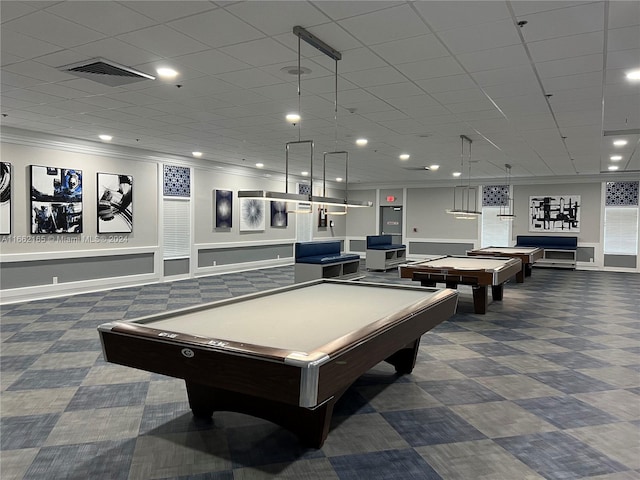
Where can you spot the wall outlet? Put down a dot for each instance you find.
(55, 280)
(214, 263)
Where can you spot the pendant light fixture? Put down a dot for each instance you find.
(506, 208)
(303, 34)
(465, 197)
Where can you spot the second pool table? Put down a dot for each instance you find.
(453, 270)
(528, 255)
(286, 355)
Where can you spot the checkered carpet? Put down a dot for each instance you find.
(546, 385)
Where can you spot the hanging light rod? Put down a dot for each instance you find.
(466, 193)
(317, 43)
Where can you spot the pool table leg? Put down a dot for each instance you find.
(527, 269)
(480, 299)
(497, 292)
(310, 425)
(405, 359)
(520, 275)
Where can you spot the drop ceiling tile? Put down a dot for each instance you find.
(622, 58)
(58, 89)
(437, 67)
(502, 57)
(624, 14)
(249, 78)
(13, 10)
(570, 66)
(567, 47)
(523, 73)
(563, 22)
(536, 6)
(339, 10)
(445, 15)
(469, 107)
(211, 62)
(567, 82)
(19, 81)
(276, 17)
(35, 70)
(359, 59)
(373, 28)
(164, 11)
(422, 47)
(460, 96)
(513, 89)
(395, 90)
(23, 46)
(89, 86)
(375, 76)
(623, 38)
(163, 41)
(216, 29)
(447, 84)
(114, 50)
(8, 59)
(261, 52)
(105, 17)
(52, 29)
(481, 37)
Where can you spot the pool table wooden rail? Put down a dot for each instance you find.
(528, 256)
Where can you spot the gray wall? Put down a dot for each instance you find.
(42, 272)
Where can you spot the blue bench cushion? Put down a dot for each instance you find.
(326, 259)
(547, 241)
(381, 242)
(315, 249)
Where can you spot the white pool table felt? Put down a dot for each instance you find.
(300, 320)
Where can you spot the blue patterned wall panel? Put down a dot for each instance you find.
(177, 181)
(495, 195)
(622, 194)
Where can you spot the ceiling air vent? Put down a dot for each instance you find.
(106, 72)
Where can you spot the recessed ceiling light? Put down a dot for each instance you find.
(338, 179)
(304, 174)
(620, 143)
(105, 138)
(362, 142)
(404, 156)
(633, 75)
(434, 167)
(196, 154)
(259, 165)
(293, 118)
(166, 72)
(616, 158)
(613, 167)
(456, 174)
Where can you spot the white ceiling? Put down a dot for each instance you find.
(413, 77)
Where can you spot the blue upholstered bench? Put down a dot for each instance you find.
(559, 251)
(382, 254)
(315, 260)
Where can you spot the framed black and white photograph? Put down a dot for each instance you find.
(224, 208)
(115, 203)
(56, 200)
(560, 213)
(278, 214)
(252, 215)
(5, 198)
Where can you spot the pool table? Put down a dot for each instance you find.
(454, 270)
(285, 355)
(528, 255)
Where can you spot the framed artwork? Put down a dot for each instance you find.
(115, 203)
(56, 200)
(559, 213)
(176, 181)
(251, 215)
(5, 198)
(278, 214)
(224, 208)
